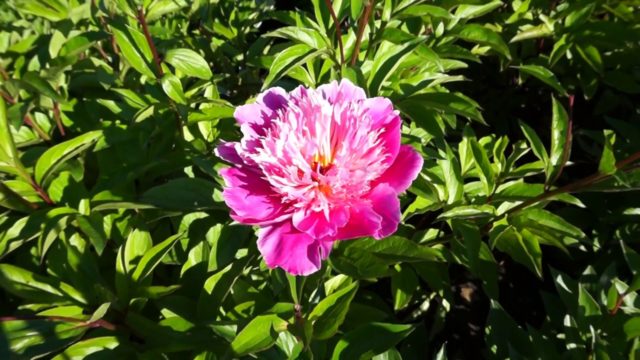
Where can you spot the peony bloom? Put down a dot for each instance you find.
(314, 167)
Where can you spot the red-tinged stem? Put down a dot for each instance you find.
(8, 97)
(364, 20)
(338, 29)
(618, 304)
(575, 186)
(56, 115)
(82, 323)
(43, 194)
(29, 121)
(145, 29)
(4, 73)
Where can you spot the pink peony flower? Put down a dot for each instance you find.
(314, 167)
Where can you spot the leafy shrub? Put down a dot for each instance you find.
(519, 238)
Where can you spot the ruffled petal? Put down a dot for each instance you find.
(344, 91)
(296, 252)
(316, 223)
(251, 199)
(404, 169)
(386, 118)
(385, 203)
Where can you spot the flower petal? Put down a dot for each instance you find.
(345, 91)
(363, 221)
(269, 101)
(404, 169)
(296, 252)
(227, 151)
(384, 200)
(316, 224)
(250, 198)
(384, 116)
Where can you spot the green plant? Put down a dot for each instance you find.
(519, 239)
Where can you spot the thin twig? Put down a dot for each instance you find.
(56, 115)
(29, 121)
(338, 29)
(82, 323)
(145, 29)
(575, 186)
(8, 97)
(364, 20)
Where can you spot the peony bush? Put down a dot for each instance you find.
(392, 179)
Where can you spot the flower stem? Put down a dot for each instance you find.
(56, 115)
(338, 29)
(364, 20)
(145, 29)
(575, 186)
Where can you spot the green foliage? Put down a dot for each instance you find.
(519, 239)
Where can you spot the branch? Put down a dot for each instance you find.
(56, 115)
(338, 29)
(145, 29)
(364, 20)
(574, 186)
(82, 323)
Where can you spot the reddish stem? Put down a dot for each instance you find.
(145, 29)
(338, 29)
(29, 121)
(8, 97)
(82, 323)
(618, 304)
(361, 26)
(56, 115)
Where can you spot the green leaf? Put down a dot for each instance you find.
(469, 245)
(368, 257)
(632, 328)
(543, 74)
(452, 176)
(90, 348)
(25, 284)
(55, 156)
(259, 334)
(550, 227)
(532, 32)
(522, 247)
(608, 159)
(469, 212)
(329, 314)
(301, 35)
(420, 10)
(152, 258)
(356, 8)
(486, 173)
(130, 49)
(591, 55)
(9, 158)
(388, 57)
(454, 103)
(93, 227)
(536, 144)
(404, 284)
(484, 36)
(183, 194)
(369, 340)
(560, 141)
(35, 82)
(287, 59)
(173, 88)
(189, 63)
(473, 11)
